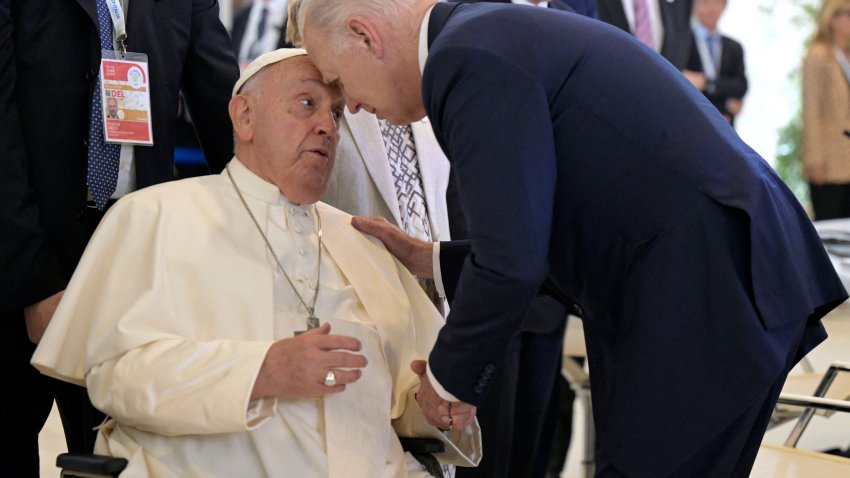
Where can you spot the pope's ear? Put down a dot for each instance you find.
(241, 115)
(367, 34)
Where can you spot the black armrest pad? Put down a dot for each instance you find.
(94, 464)
(421, 446)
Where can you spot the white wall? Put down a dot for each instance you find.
(773, 40)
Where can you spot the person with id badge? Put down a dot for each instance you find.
(83, 125)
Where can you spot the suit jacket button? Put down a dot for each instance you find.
(577, 310)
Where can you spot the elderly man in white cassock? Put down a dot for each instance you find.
(232, 325)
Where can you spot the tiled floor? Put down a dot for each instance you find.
(822, 433)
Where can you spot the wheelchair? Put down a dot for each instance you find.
(74, 465)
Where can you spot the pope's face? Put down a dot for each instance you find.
(295, 129)
(372, 83)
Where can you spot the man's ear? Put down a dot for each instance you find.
(242, 116)
(366, 34)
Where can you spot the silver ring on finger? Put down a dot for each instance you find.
(330, 378)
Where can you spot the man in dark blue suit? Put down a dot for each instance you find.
(597, 166)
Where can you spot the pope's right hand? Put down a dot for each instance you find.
(297, 367)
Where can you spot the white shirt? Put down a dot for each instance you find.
(709, 64)
(654, 17)
(526, 2)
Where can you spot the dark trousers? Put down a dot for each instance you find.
(830, 201)
(29, 398)
(515, 417)
(729, 455)
(561, 408)
(733, 451)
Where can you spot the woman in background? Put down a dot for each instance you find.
(826, 112)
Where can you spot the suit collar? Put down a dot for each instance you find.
(369, 141)
(90, 8)
(439, 16)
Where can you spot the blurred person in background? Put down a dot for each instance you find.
(826, 112)
(258, 28)
(716, 63)
(660, 24)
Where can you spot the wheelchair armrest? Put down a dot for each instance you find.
(74, 464)
(423, 450)
(422, 446)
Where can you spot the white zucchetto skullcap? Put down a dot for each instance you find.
(263, 61)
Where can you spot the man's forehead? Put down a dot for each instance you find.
(298, 69)
(314, 79)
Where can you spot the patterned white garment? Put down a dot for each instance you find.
(413, 210)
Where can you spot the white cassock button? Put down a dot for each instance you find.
(302, 251)
(298, 229)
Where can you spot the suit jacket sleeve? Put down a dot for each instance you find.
(30, 269)
(210, 73)
(509, 226)
(452, 256)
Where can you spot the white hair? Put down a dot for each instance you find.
(330, 15)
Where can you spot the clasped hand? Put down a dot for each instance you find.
(440, 413)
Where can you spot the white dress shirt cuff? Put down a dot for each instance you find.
(259, 411)
(439, 388)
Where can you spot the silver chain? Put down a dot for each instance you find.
(312, 320)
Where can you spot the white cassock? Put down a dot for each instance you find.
(174, 305)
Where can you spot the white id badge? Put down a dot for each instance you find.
(125, 91)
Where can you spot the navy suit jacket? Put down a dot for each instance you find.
(675, 16)
(598, 165)
(582, 7)
(731, 81)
